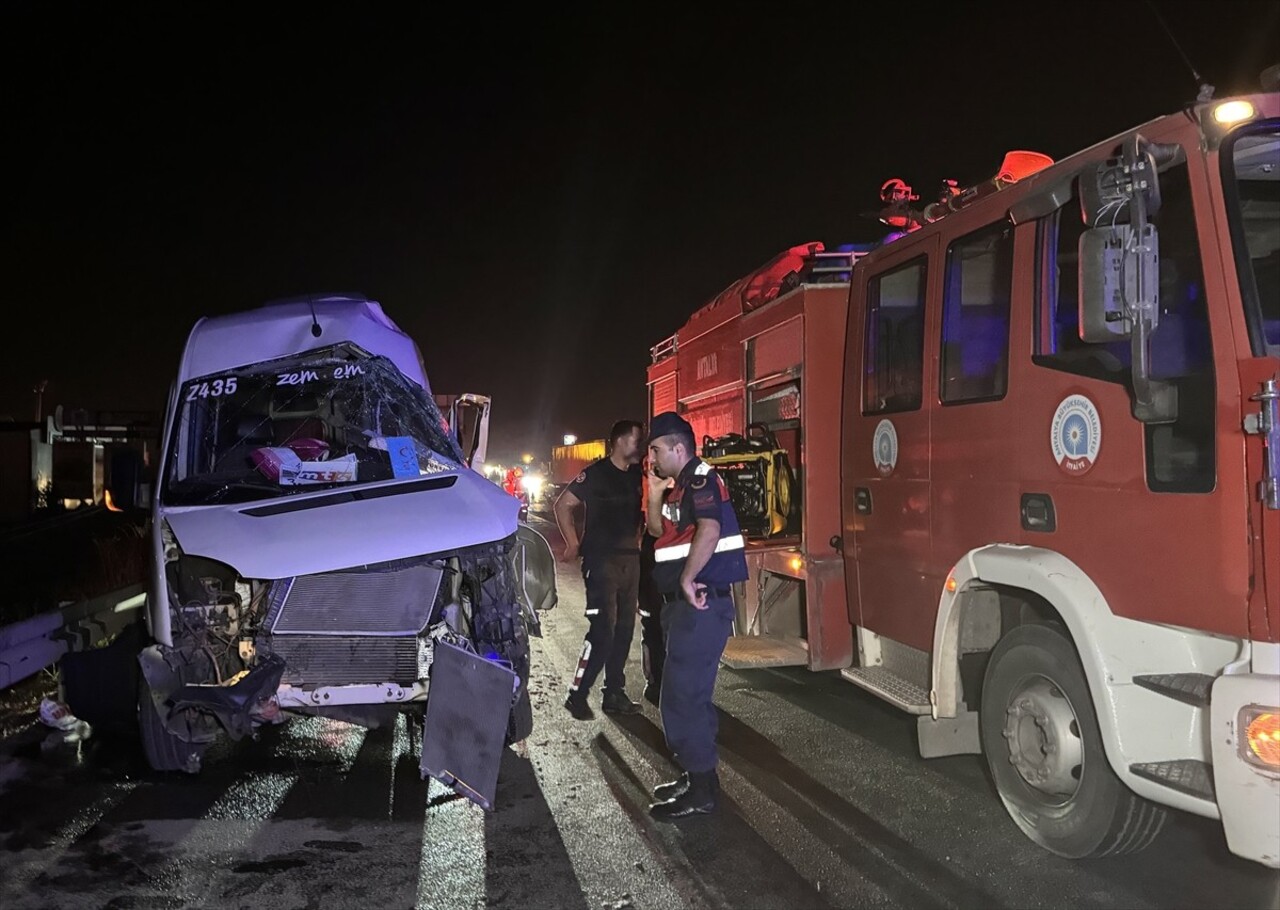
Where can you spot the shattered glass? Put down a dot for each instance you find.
(332, 417)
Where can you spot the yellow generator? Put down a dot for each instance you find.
(761, 484)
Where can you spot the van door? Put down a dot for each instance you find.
(889, 388)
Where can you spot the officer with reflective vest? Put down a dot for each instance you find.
(698, 556)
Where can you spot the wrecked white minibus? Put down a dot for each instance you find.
(321, 547)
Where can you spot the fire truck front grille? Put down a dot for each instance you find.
(338, 660)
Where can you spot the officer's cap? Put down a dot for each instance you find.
(668, 423)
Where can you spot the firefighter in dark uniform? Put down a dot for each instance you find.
(610, 493)
(698, 557)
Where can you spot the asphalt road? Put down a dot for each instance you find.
(827, 804)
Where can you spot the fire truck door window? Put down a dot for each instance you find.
(1058, 344)
(1255, 214)
(894, 357)
(1180, 456)
(975, 316)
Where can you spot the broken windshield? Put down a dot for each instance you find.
(330, 417)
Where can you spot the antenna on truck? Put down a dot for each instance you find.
(1206, 90)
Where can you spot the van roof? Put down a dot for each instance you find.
(284, 327)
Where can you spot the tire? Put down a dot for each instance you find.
(100, 685)
(1044, 748)
(500, 630)
(520, 724)
(162, 750)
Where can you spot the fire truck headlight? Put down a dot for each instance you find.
(1261, 728)
(1229, 113)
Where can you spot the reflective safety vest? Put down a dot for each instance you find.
(699, 492)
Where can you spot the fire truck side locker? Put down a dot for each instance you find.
(750, 357)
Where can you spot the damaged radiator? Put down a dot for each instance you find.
(354, 626)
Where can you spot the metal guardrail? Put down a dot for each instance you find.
(28, 646)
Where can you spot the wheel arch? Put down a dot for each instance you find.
(1137, 725)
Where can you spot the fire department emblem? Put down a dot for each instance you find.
(1076, 435)
(884, 447)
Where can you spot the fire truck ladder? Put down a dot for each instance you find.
(663, 349)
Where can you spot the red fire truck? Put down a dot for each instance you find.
(1037, 440)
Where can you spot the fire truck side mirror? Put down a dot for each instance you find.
(1104, 255)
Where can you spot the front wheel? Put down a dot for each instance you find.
(1044, 748)
(163, 750)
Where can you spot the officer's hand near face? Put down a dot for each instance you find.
(657, 487)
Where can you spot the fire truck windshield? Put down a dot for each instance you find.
(330, 417)
(1254, 167)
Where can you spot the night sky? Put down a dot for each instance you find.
(536, 197)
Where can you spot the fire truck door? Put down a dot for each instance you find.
(886, 447)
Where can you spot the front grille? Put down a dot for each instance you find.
(369, 602)
(338, 660)
(354, 626)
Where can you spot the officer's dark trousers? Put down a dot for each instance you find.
(612, 590)
(695, 641)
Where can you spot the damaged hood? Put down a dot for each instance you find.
(340, 528)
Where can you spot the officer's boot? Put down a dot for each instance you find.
(578, 707)
(615, 701)
(699, 799)
(672, 788)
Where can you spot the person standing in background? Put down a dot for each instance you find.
(609, 492)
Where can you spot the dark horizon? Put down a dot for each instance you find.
(537, 200)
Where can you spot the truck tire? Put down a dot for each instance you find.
(1044, 748)
(162, 750)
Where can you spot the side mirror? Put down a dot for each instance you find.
(1125, 189)
(1119, 281)
(1119, 263)
(468, 418)
(535, 571)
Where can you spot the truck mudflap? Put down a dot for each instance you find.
(193, 711)
(466, 722)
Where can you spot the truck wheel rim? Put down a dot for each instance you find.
(1043, 735)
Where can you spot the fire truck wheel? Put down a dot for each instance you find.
(1043, 746)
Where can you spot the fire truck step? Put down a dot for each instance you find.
(1192, 688)
(1186, 775)
(753, 652)
(890, 686)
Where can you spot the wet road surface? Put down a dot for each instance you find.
(826, 804)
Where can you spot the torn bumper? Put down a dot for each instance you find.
(192, 711)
